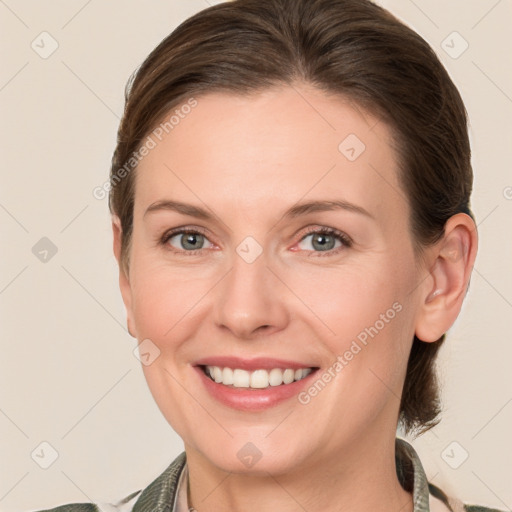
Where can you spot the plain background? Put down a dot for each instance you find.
(68, 375)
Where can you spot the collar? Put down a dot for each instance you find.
(162, 494)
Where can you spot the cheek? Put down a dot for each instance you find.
(349, 298)
(167, 307)
(366, 320)
(165, 302)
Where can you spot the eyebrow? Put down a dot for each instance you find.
(324, 206)
(176, 206)
(295, 211)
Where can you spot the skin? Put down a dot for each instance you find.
(247, 160)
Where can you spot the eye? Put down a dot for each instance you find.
(324, 240)
(187, 240)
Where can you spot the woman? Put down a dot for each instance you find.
(290, 201)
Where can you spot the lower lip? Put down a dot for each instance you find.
(249, 399)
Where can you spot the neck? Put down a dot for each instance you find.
(356, 479)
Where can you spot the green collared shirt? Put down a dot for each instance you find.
(164, 493)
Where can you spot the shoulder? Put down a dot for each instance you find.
(455, 504)
(161, 490)
(75, 507)
(124, 505)
(412, 476)
(478, 508)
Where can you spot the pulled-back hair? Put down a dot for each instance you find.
(351, 48)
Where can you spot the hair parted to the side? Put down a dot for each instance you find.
(350, 48)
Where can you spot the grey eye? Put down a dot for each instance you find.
(320, 242)
(188, 241)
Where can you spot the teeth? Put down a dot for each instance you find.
(275, 377)
(258, 379)
(288, 376)
(227, 376)
(217, 374)
(241, 378)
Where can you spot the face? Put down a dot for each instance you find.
(270, 233)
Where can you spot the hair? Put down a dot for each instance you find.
(353, 49)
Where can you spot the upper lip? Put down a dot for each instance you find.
(257, 363)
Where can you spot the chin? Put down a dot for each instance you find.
(256, 457)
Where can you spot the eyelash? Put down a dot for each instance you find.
(339, 235)
(181, 231)
(342, 237)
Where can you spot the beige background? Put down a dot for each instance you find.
(68, 374)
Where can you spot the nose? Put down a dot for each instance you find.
(251, 300)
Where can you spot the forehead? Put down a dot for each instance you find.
(269, 149)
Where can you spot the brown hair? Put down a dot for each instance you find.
(351, 48)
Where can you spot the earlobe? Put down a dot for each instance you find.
(452, 260)
(124, 281)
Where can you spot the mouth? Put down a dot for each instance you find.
(256, 379)
(253, 384)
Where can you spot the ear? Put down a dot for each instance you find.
(451, 263)
(124, 280)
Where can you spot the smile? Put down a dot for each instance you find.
(257, 379)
